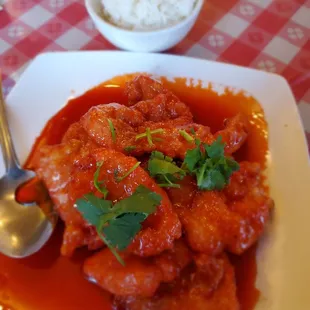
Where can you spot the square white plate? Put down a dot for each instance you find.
(284, 253)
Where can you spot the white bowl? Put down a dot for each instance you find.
(142, 41)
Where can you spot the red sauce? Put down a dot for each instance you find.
(245, 269)
(49, 281)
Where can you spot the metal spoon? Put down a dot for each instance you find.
(24, 229)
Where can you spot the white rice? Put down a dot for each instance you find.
(146, 14)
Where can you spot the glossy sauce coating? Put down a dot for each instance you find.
(49, 281)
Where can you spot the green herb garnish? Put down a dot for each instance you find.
(158, 139)
(98, 183)
(112, 129)
(118, 224)
(210, 165)
(186, 136)
(164, 170)
(129, 148)
(148, 135)
(119, 179)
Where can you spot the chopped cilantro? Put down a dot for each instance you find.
(193, 157)
(112, 129)
(129, 148)
(164, 170)
(157, 139)
(148, 135)
(210, 165)
(98, 183)
(186, 136)
(216, 149)
(118, 224)
(119, 179)
(121, 229)
(93, 207)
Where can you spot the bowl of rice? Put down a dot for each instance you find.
(144, 25)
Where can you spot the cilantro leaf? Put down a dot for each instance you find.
(112, 129)
(210, 165)
(92, 208)
(186, 136)
(142, 190)
(148, 135)
(216, 149)
(164, 170)
(99, 231)
(103, 205)
(132, 169)
(229, 167)
(118, 224)
(142, 200)
(121, 230)
(213, 180)
(129, 148)
(192, 158)
(98, 183)
(160, 164)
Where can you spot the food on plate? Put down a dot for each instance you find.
(208, 284)
(161, 200)
(146, 14)
(68, 183)
(232, 219)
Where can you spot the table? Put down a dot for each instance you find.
(270, 35)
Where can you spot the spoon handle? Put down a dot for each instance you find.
(8, 151)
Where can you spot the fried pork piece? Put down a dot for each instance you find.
(158, 104)
(159, 229)
(168, 141)
(233, 220)
(139, 277)
(123, 119)
(169, 118)
(172, 262)
(210, 285)
(127, 123)
(235, 133)
(54, 165)
(182, 198)
(172, 143)
(203, 222)
(164, 107)
(68, 170)
(154, 101)
(64, 168)
(143, 88)
(249, 198)
(210, 273)
(76, 132)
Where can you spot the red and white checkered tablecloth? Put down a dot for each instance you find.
(271, 35)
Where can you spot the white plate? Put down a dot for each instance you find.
(284, 253)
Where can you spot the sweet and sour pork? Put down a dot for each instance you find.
(163, 269)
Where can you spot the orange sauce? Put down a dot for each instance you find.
(246, 270)
(49, 281)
